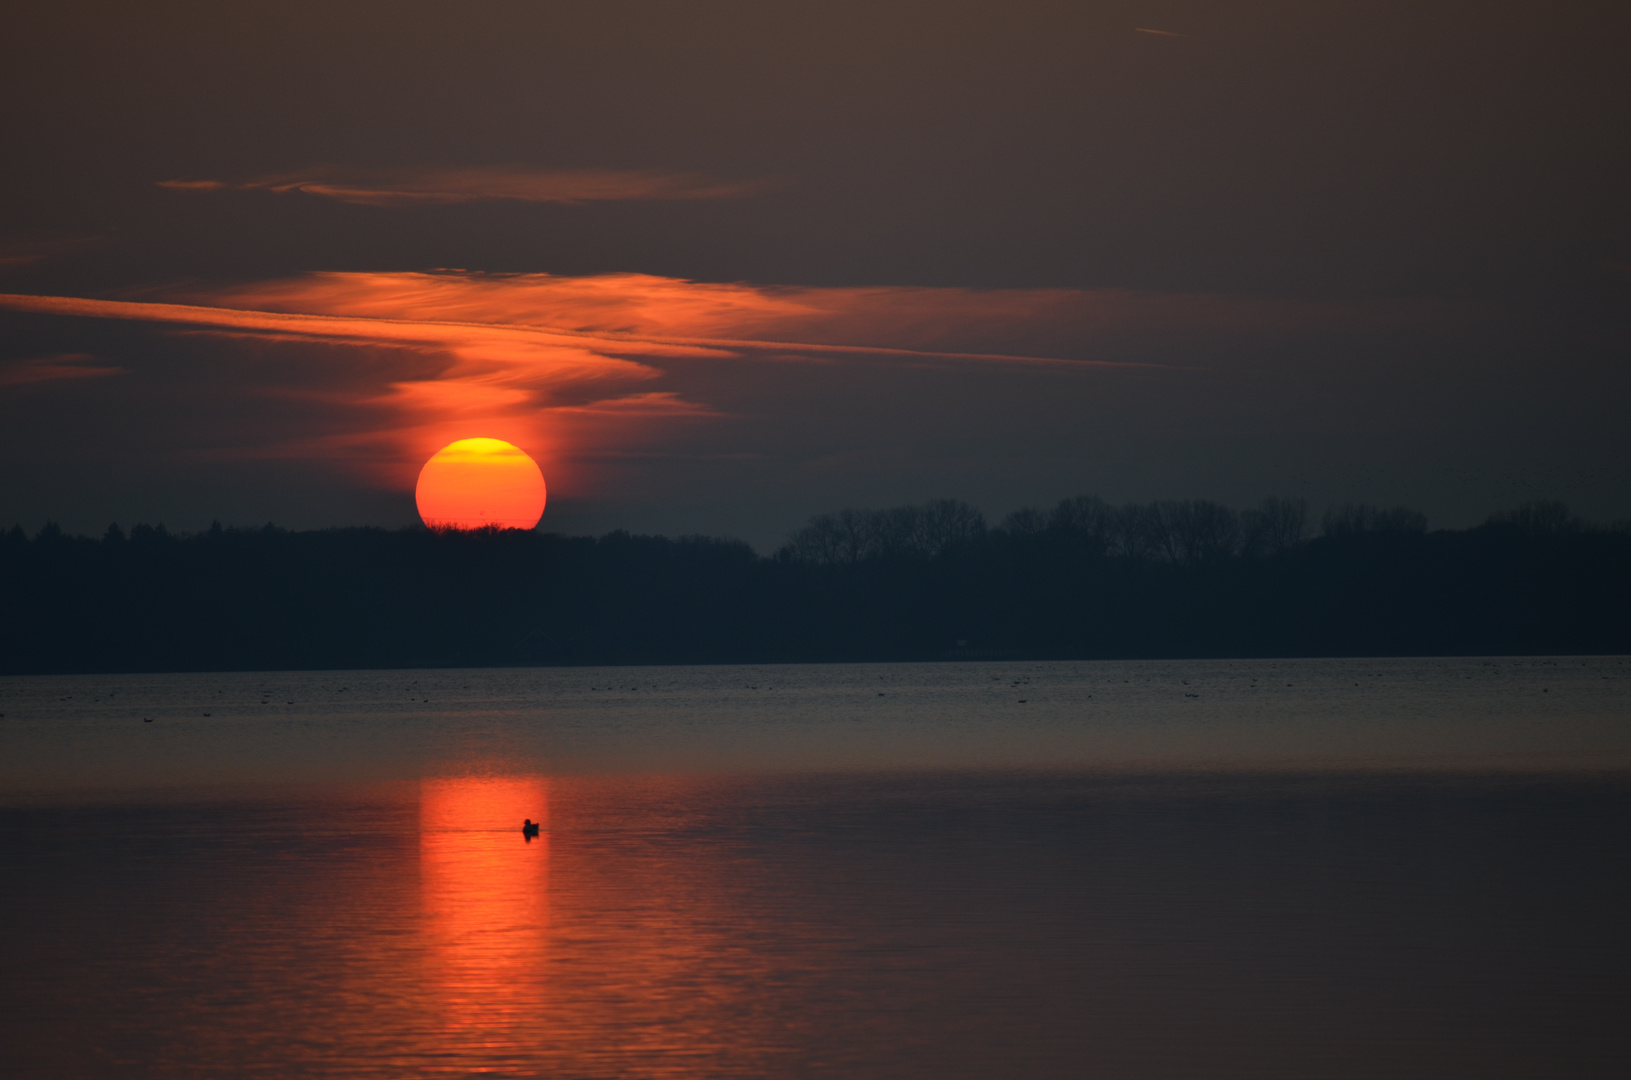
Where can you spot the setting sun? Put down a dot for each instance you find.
(475, 483)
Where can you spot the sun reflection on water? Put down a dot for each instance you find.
(485, 896)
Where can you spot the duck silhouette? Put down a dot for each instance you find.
(529, 829)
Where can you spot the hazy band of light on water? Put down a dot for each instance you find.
(132, 732)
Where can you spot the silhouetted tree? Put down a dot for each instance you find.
(1210, 531)
(1027, 521)
(850, 536)
(1193, 531)
(1273, 526)
(1539, 519)
(949, 524)
(1139, 533)
(1087, 523)
(831, 539)
(1353, 518)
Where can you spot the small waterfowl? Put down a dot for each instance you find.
(529, 829)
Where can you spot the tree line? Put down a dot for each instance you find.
(1083, 579)
(1181, 533)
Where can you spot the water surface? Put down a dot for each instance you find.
(1254, 869)
(87, 733)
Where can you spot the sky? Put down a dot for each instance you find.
(719, 267)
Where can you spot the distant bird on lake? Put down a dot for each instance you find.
(529, 829)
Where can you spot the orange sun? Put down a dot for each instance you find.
(475, 483)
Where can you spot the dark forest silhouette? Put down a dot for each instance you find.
(1084, 580)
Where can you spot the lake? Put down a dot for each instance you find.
(1289, 868)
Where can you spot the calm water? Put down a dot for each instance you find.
(1253, 869)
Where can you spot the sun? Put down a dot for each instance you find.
(477, 483)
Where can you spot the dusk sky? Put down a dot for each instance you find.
(718, 267)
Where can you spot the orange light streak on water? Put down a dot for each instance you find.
(485, 896)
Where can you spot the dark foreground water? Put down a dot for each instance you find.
(1252, 869)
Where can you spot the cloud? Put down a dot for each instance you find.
(434, 187)
(372, 372)
(1046, 327)
(27, 252)
(43, 369)
(664, 403)
(426, 381)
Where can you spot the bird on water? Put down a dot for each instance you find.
(529, 828)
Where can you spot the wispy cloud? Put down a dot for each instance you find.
(428, 381)
(43, 369)
(430, 187)
(28, 252)
(387, 367)
(1071, 328)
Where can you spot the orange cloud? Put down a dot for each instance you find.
(400, 364)
(41, 369)
(1005, 326)
(456, 377)
(428, 187)
(27, 252)
(653, 403)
